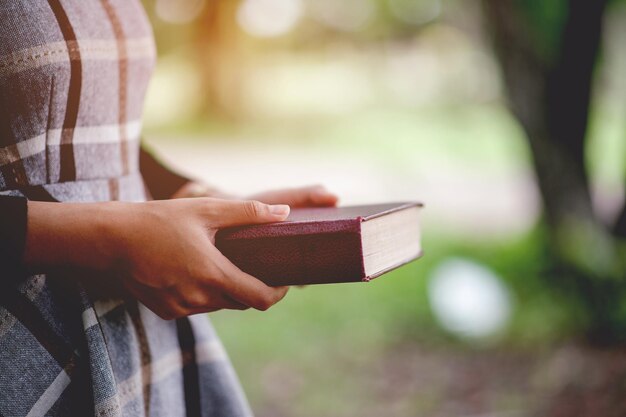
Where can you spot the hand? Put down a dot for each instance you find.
(311, 196)
(194, 189)
(164, 250)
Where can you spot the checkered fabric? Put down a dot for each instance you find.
(73, 74)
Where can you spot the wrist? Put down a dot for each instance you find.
(113, 221)
(67, 235)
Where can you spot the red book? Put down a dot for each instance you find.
(325, 245)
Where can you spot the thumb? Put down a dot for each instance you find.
(237, 212)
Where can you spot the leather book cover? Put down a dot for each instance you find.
(313, 246)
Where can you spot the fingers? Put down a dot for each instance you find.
(193, 189)
(164, 306)
(214, 302)
(226, 287)
(245, 288)
(312, 196)
(232, 213)
(177, 303)
(320, 196)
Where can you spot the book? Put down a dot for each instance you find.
(326, 245)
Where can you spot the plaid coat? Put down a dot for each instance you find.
(73, 74)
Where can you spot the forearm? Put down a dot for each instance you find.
(162, 252)
(164, 183)
(72, 235)
(161, 181)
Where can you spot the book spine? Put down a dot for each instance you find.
(305, 259)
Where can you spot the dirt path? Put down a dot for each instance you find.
(414, 380)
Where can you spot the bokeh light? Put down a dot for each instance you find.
(269, 18)
(178, 11)
(468, 299)
(346, 15)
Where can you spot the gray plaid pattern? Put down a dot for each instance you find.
(73, 75)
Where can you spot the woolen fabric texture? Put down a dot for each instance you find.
(73, 74)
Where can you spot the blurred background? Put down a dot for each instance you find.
(505, 117)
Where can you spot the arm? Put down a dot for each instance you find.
(12, 233)
(160, 181)
(162, 251)
(163, 183)
(311, 196)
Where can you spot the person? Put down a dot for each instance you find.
(105, 260)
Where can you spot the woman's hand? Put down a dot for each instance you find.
(163, 250)
(194, 189)
(310, 196)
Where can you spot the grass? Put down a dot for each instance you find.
(312, 353)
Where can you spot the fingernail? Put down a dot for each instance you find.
(279, 209)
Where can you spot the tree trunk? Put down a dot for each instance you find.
(550, 96)
(216, 49)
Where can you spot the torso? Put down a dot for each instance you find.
(73, 76)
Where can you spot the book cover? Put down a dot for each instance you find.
(326, 245)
